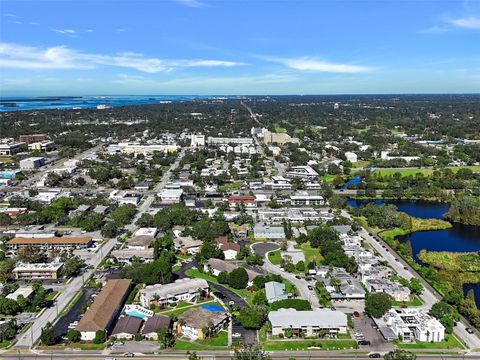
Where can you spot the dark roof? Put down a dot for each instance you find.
(156, 323)
(127, 325)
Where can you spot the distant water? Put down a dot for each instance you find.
(416, 208)
(89, 102)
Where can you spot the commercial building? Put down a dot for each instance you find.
(12, 148)
(268, 232)
(197, 140)
(351, 156)
(303, 198)
(279, 138)
(275, 291)
(193, 322)
(43, 146)
(410, 325)
(247, 200)
(302, 172)
(38, 271)
(32, 138)
(25, 291)
(32, 163)
(308, 323)
(49, 243)
(171, 196)
(145, 149)
(180, 290)
(105, 309)
(225, 141)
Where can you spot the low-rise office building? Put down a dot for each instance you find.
(302, 172)
(127, 256)
(32, 163)
(38, 271)
(303, 198)
(171, 196)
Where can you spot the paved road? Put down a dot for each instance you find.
(300, 284)
(429, 295)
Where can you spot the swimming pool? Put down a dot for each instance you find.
(212, 308)
(136, 314)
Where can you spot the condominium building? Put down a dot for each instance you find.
(39, 271)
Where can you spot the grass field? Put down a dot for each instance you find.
(220, 339)
(311, 254)
(275, 257)
(5, 159)
(450, 342)
(306, 344)
(230, 186)
(414, 302)
(424, 171)
(280, 129)
(186, 345)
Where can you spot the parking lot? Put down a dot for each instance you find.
(363, 325)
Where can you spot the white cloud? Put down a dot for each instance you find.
(10, 15)
(89, 30)
(62, 57)
(435, 30)
(191, 3)
(33, 23)
(69, 32)
(120, 30)
(470, 22)
(315, 64)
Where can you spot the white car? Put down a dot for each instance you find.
(236, 335)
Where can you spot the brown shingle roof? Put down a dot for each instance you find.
(222, 265)
(225, 245)
(156, 323)
(128, 325)
(104, 306)
(51, 241)
(141, 240)
(198, 318)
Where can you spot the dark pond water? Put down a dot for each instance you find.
(461, 238)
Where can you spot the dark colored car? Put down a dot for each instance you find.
(375, 356)
(363, 342)
(356, 314)
(468, 330)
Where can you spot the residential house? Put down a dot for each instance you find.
(187, 245)
(275, 291)
(216, 266)
(127, 327)
(155, 324)
(193, 322)
(229, 249)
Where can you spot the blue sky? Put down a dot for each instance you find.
(238, 47)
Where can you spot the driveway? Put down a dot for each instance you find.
(300, 284)
(377, 342)
(61, 326)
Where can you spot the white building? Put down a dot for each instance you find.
(302, 172)
(181, 290)
(410, 325)
(171, 196)
(32, 163)
(308, 323)
(303, 198)
(275, 291)
(197, 140)
(351, 156)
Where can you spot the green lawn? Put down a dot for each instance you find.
(247, 295)
(328, 178)
(450, 342)
(305, 344)
(81, 346)
(5, 344)
(51, 296)
(279, 129)
(275, 257)
(230, 187)
(416, 301)
(220, 339)
(176, 267)
(311, 254)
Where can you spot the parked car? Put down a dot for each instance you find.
(129, 354)
(356, 314)
(310, 287)
(468, 330)
(363, 342)
(236, 335)
(374, 355)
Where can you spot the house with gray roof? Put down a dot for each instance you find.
(275, 291)
(308, 323)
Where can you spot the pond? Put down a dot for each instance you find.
(460, 238)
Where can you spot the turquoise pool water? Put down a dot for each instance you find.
(136, 314)
(212, 308)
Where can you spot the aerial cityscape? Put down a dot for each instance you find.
(242, 180)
